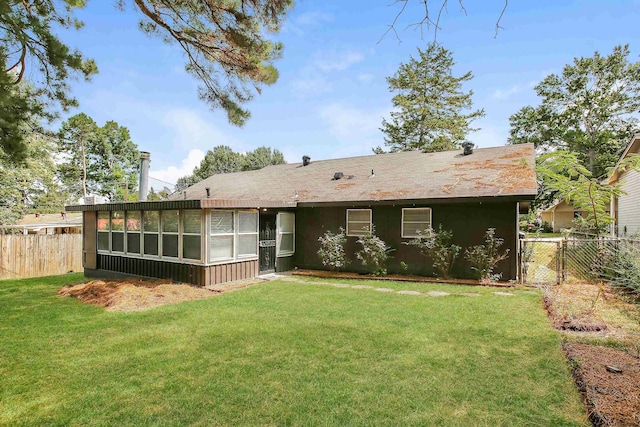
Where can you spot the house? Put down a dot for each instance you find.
(238, 225)
(51, 223)
(626, 207)
(561, 215)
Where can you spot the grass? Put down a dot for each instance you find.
(283, 354)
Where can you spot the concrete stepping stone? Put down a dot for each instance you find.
(471, 294)
(409, 292)
(438, 294)
(383, 290)
(361, 287)
(504, 294)
(340, 285)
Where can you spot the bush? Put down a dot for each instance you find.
(331, 250)
(626, 270)
(438, 247)
(374, 252)
(484, 258)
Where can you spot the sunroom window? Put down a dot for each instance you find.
(133, 232)
(117, 231)
(247, 234)
(222, 236)
(103, 230)
(286, 233)
(191, 234)
(151, 228)
(170, 221)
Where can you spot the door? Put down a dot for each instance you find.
(267, 243)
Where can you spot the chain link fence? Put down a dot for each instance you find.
(581, 257)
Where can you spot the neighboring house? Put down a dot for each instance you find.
(626, 208)
(561, 215)
(58, 223)
(237, 225)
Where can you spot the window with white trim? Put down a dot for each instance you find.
(133, 227)
(247, 234)
(151, 230)
(415, 220)
(103, 230)
(221, 236)
(117, 231)
(170, 227)
(286, 233)
(358, 222)
(191, 234)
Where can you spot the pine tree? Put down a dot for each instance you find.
(429, 105)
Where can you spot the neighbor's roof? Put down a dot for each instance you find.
(31, 222)
(488, 172)
(632, 148)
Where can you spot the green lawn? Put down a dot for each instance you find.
(283, 353)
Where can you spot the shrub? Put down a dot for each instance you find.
(438, 247)
(331, 250)
(374, 252)
(485, 257)
(626, 269)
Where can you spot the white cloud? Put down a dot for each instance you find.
(351, 123)
(311, 86)
(332, 60)
(172, 173)
(312, 79)
(506, 93)
(365, 78)
(300, 24)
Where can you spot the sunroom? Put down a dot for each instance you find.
(188, 241)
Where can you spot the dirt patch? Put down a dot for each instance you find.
(137, 295)
(608, 380)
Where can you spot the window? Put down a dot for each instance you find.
(170, 221)
(103, 231)
(117, 231)
(247, 234)
(414, 220)
(222, 234)
(286, 233)
(151, 227)
(191, 234)
(358, 222)
(133, 232)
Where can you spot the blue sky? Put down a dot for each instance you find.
(332, 94)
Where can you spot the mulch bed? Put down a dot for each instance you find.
(612, 398)
(324, 274)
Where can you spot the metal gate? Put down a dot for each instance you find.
(267, 243)
(541, 261)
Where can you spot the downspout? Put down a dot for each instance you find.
(143, 188)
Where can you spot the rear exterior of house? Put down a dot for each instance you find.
(626, 207)
(237, 226)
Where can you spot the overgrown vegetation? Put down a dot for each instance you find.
(331, 250)
(374, 252)
(484, 258)
(437, 246)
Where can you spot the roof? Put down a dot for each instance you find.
(33, 222)
(488, 172)
(632, 148)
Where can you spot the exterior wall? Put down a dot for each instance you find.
(561, 220)
(468, 221)
(199, 275)
(628, 221)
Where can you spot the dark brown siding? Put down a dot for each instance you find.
(468, 221)
(285, 264)
(188, 273)
(89, 245)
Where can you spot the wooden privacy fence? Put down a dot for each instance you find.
(35, 255)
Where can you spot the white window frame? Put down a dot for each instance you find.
(358, 222)
(407, 236)
(238, 234)
(280, 233)
(211, 235)
(126, 234)
(183, 233)
(107, 231)
(123, 232)
(171, 233)
(157, 233)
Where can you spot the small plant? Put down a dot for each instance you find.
(438, 247)
(374, 252)
(331, 250)
(485, 257)
(403, 266)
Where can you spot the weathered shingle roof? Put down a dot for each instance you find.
(488, 172)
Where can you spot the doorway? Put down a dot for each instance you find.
(267, 243)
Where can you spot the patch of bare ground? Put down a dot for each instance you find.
(137, 295)
(601, 333)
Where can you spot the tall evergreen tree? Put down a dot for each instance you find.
(429, 105)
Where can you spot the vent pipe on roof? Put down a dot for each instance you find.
(143, 188)
(468, 147)
(337, 176)
(306, 160)
(208, 190)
